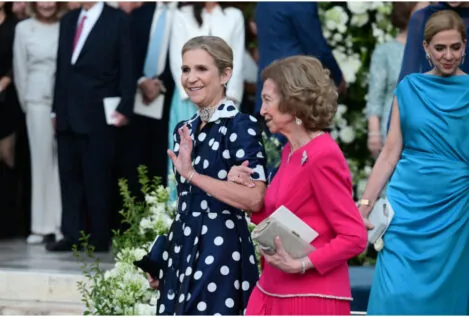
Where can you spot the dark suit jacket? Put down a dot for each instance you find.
(104, 68)
(141, 19)
(291, 28)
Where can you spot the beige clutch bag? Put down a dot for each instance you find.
(266, 232)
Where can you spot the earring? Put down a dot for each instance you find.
(225, 85)
(298, 121)
(463, 58)
(429, 60)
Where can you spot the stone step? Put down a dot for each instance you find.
(39, 293)
(26, 307)
(39, 286)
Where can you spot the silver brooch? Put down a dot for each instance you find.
(304, 158)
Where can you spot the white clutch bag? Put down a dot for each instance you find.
(290, 233)
(380, 217)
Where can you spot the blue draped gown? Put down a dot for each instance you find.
(424, 266)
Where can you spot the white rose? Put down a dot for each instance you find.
(150, 199)
(145, 224)
(335, 18)
(337, 37)
(360, 20)
(144, 310)
(161, 208)
(358, 7)
(341, 110)
(347, 135)
(139, 254)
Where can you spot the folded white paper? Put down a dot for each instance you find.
(294, 223)
(152, 110)
(110, 105)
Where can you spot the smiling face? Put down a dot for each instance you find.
(446, 50)
(276, 121)
(46, 10)
(201, 79)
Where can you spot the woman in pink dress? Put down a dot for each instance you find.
(299, 100)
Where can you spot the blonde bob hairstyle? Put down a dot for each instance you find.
(444, 20)
(306, 90)
(216, 47)
(31, 9)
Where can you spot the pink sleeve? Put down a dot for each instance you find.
(257, 217)
(332, 189)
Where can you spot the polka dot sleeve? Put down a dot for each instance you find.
(245, 143)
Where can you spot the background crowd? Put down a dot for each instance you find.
(44, 190)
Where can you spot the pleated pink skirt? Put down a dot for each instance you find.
(261, 304)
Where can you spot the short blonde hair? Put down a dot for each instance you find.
(31, 9)
(306, 90)
(444, 20)
(216, 47)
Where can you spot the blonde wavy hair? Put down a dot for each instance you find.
(444, 20)
(306, 90)
(31, 9)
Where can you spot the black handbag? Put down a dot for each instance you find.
(153, 262)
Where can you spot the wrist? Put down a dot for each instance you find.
(190, 175)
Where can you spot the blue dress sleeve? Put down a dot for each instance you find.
(414, 60)
(245, 143)
(377, 83)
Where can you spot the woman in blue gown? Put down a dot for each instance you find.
(423, 267)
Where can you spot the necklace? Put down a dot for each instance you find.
(207, 112)
(305, 155)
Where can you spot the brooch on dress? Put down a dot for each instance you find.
(304, 158)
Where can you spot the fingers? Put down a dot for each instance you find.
(154, 283)
(279, 247)
(172, 155)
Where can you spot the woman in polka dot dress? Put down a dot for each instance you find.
(211, 266)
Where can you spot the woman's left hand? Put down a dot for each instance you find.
(183, 162)
(282, 260)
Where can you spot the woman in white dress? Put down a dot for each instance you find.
(199, 19)
(34, 65)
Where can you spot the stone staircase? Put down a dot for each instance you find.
(36, 282)
(39, 293)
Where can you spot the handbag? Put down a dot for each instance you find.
(380, 217)
(153, 262)
(266, 232)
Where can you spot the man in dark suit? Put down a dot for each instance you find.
(291, 28)
(94, 62)
(145, 141)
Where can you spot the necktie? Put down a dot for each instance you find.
(78, 32)
(150, 68)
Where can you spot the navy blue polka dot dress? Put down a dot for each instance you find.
(211, 264)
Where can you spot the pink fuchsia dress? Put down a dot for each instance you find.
(319, 191)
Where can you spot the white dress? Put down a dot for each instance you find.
(34, 66)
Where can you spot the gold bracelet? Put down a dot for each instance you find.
(191, 176)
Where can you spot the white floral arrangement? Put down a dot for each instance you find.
(352, 30)
(124, 289)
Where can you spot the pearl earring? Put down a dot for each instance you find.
(298, 121)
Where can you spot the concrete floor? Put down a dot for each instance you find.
(18, 255)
